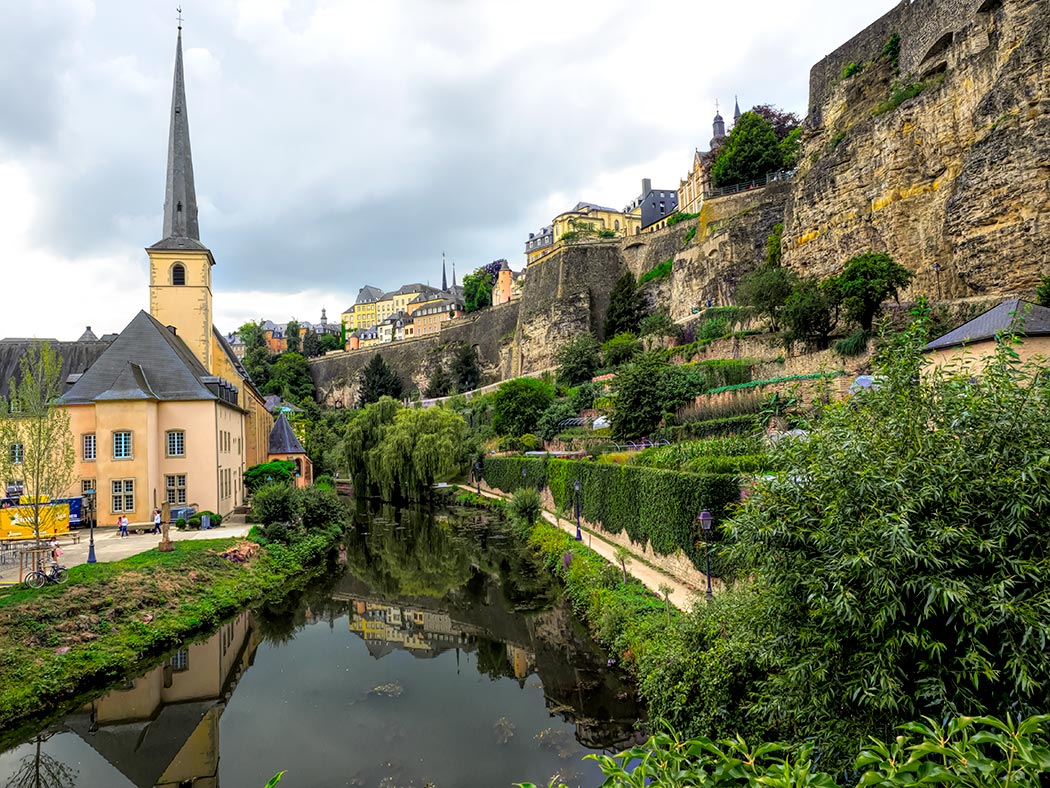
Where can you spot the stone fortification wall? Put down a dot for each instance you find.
(924, 27)
(566, 294)
(729, 241)
(335, 376)
(952, 182)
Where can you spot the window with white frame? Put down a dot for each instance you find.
(180, 660)
(175, 488)
(176, 443)
(123, 495)
(17, 453)
(89, 447)
(87, 486)
(122, 445)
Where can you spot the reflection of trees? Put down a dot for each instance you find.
(279, 618)
(40, 770)
(410, 555)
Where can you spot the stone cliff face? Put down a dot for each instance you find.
(952, 183)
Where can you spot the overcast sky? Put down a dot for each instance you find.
(339, 143)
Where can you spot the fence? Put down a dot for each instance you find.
(773, 177)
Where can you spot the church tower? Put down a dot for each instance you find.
(179, 264)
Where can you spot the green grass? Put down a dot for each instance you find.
(688, 236)
(677, 217)
(659, 272)
(58, 642)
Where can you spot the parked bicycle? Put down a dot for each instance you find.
(55, 574)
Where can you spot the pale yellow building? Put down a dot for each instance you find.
(363, 313)
(585, 220)
(167, 413)
(692, 188)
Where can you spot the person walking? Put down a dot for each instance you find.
(122, 521)
(156, 522)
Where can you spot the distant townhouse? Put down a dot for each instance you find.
(653, 206)
(508, 285)
(583, 218)
(539, 244)
(429, 317)
(363, 313)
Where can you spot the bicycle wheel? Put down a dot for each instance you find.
(35, 579)
(60, 575)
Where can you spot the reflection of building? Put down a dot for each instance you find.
(162, 729)
(423, 633)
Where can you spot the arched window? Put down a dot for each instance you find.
(616, 224)
(178, 274)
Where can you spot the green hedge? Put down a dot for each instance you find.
(711, 428)
(653, 506)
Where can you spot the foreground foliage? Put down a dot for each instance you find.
(969, 751)
(902, 555)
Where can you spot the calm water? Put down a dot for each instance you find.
(434, 653)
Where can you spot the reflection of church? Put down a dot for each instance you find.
(162, 729)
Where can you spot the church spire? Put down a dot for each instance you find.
(736, 110)
(180, 198)
(453, 274)
(444, 281)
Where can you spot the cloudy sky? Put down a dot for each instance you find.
(339, 143)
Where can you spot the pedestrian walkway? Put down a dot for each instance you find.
(109, 546)
(682, 596)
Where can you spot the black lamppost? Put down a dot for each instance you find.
(576, 501)
(937, 273)
(477, 476)
(89, 496)
(706, 519)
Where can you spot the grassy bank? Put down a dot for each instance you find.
(60, 641)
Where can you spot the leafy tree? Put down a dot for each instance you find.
(811, 313)
(252, 335)
(790, 149)
(36, 444)
(750, 151)
(902, 551)
(638, 404)
(465, 368)
(440, 383)
(518, 404)
(784, 123)
(378, 380)
(402, 452)
(620, 349)
(477, 292)
(774, 245)
(365, 431)
(626, 307)
(1042, 295)
(867, 281)
(282, 471)
(767, 290)
(290, 378)
(311, 345)
(330, 342)
(275, 502)
(550, 422)
(659, 324)
(291, 335)
(577, 360)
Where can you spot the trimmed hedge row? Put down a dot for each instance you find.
(653, 506)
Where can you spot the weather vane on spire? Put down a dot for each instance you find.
(179, 17)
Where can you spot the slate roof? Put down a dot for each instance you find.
(76, 358)
(180, 197)
(227, 348)
(368, 295)
(1016, 314)
(145, 360)
(282, 439)
(88, 336)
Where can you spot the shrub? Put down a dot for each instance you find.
(660, 271)
(263, 473)
(577, 360)
(1042, 295)
(320, 506)
(180, 523)
(283, 532)
(524, 508)
(678, 216)
(729, 426)
(892, 51)
(851, 69)
(552, 418)
(688, 237)
(275, 502)
(900, 94)
(836, 138)
(324, 480)
(620, 349)
(856, 344)
(529, 442)
(518, 404)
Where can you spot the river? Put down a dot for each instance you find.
(432, 653)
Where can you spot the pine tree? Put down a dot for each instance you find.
(377, 379)
(626, 308)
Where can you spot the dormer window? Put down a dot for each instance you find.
(178, 274)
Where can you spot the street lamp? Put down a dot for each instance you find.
(937, 273)
(477, 476)
(89, 495)
(576, 501)
(706, 519)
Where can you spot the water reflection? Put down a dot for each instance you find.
(432, 653)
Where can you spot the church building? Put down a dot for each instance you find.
(167, 413)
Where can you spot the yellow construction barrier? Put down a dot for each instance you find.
(16, 520)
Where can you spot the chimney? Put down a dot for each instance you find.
(647, 186)
(172, 330)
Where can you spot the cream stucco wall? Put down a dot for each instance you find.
(187, 307)
(976, 356)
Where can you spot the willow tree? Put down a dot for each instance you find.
(37, 443)
(401, 452)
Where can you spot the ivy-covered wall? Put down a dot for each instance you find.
(652, 506)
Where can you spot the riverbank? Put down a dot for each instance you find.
(61, 641)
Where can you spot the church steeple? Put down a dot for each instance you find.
(453, 274)
(180, 198)
(736, 110)
(444, 281)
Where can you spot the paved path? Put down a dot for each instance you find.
(683, 595)
(110, 547)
